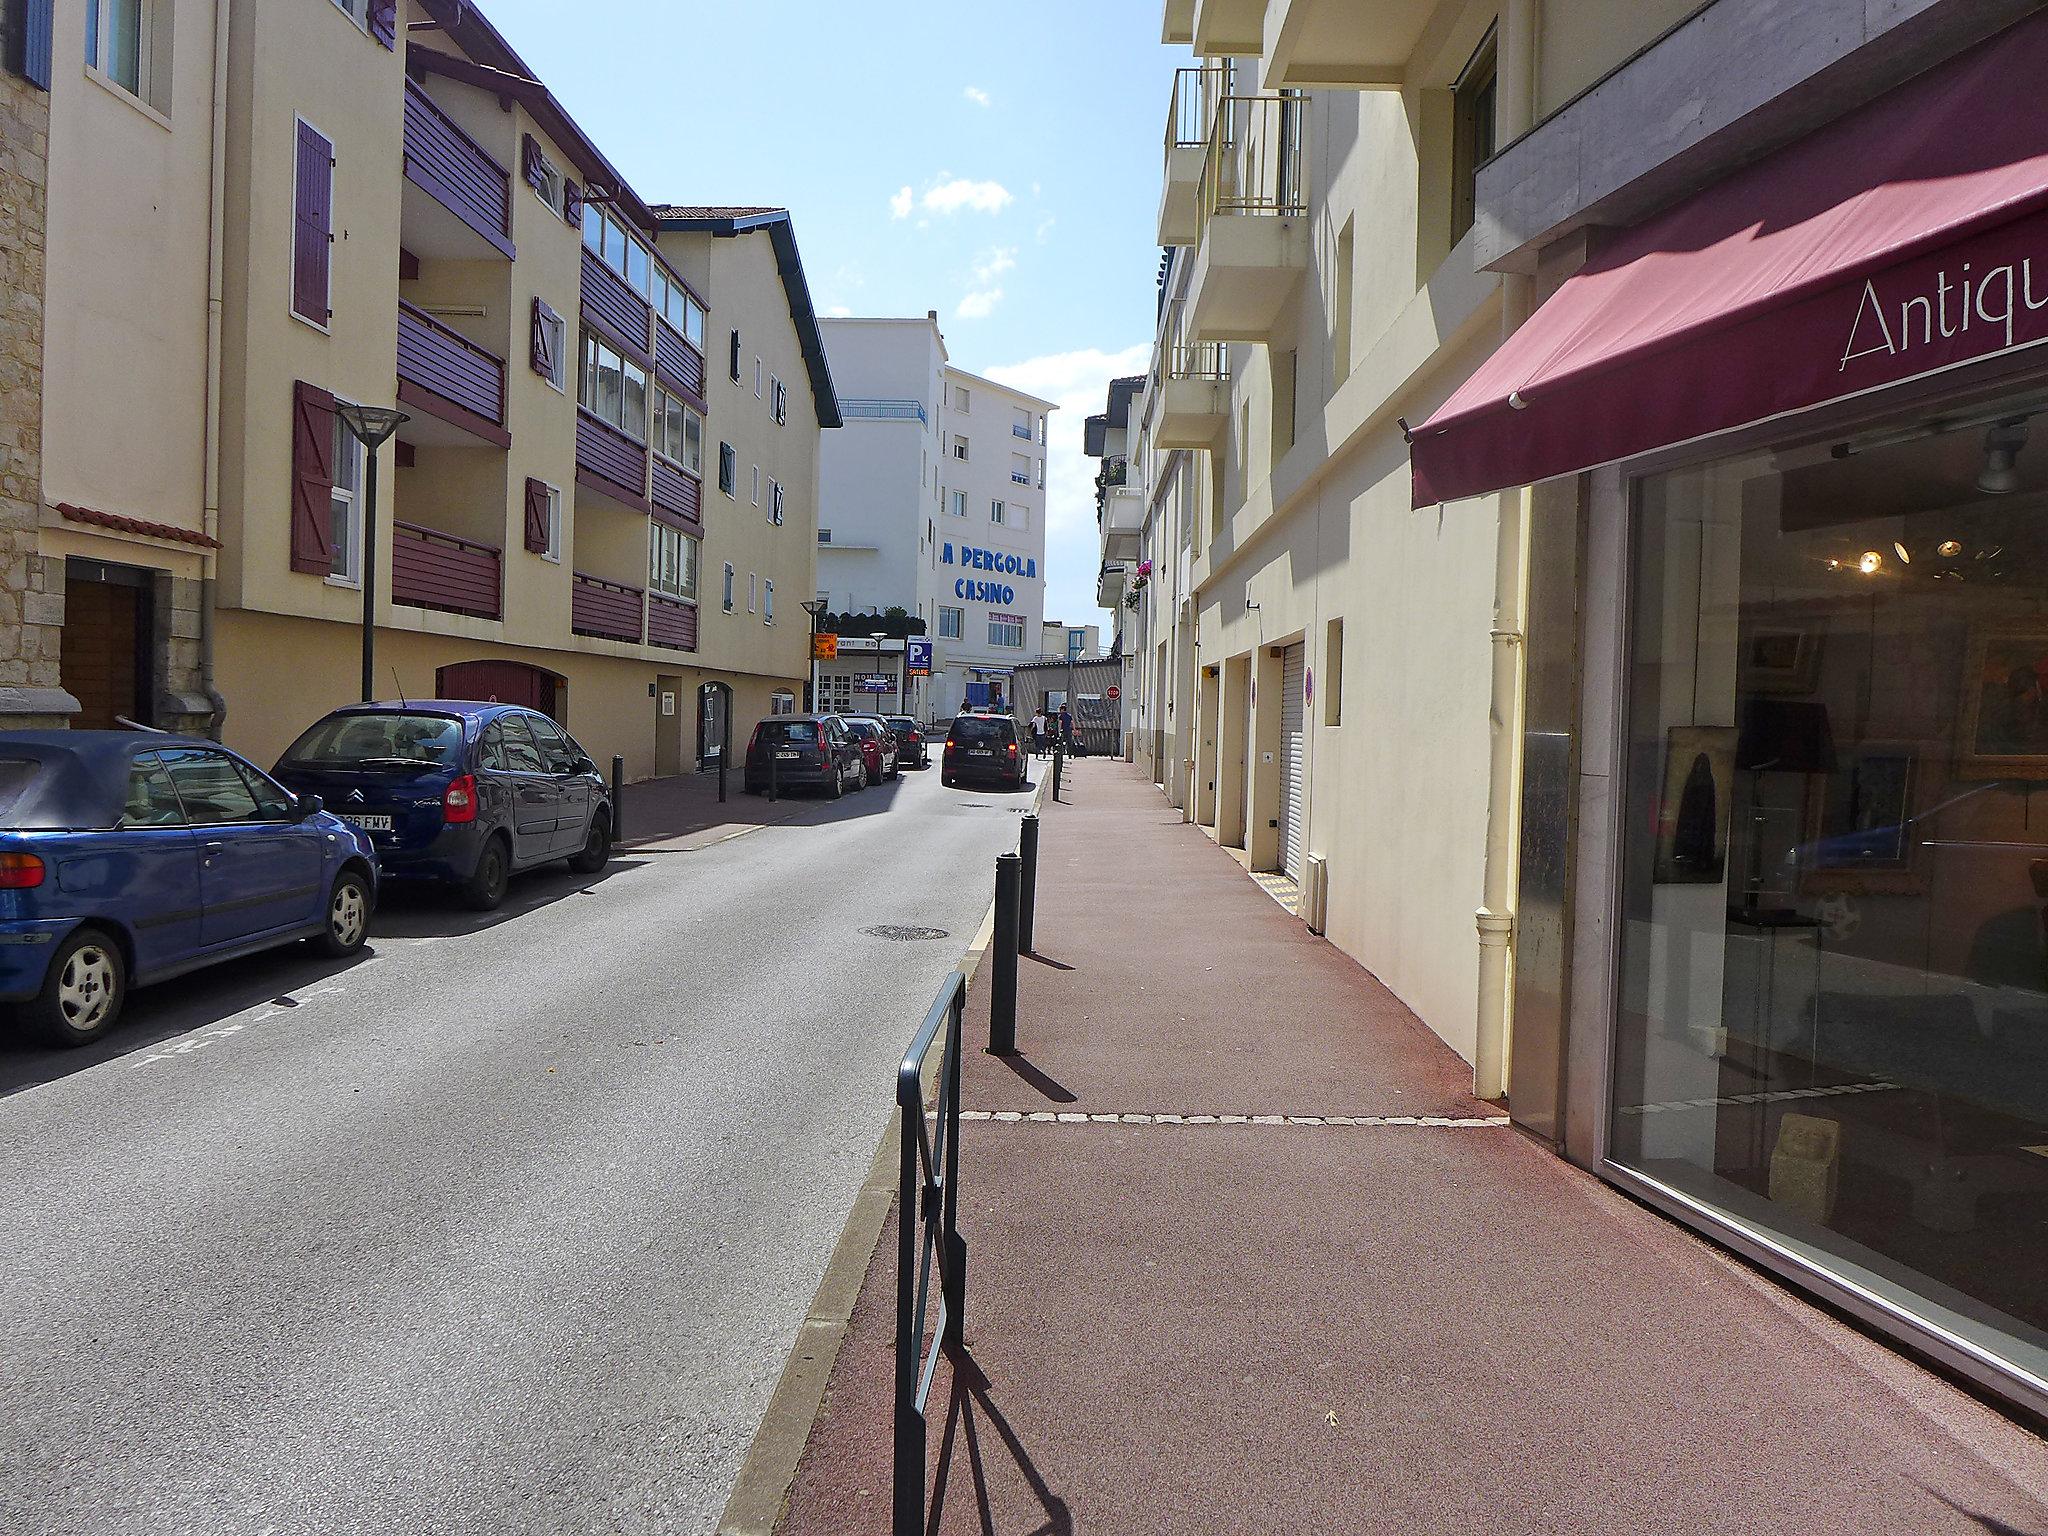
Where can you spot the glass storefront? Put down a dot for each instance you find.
(1833, 1011)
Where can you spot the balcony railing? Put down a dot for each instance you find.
(678, 492)
(1193, 109)
(1254, 163)
(609, 610)
(671, 622)
(610, 303)
(431, 569)
(446, 373)
(1187, 359)
(882, 410)
(617, 462)
(676, 361)
(457, 172)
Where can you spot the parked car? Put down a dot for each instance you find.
(877, 745)
(983, 747)
(909, 740)
(127, 857)
(457, 793)
(805, 752)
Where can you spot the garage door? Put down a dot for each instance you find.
(1293, 752)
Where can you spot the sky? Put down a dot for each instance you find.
(997, 163)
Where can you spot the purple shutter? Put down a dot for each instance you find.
(572, 203)
(312, 478)
(384, 22)
(531, 164)
(536, 515)
(312, 225)
(543, 339)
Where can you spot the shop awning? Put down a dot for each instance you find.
(1907, 237)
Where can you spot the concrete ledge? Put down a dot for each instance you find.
(45, 702)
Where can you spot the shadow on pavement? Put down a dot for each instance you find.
(971, 1391)
(416, 910)
(1040, 1082)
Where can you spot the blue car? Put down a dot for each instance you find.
(127, 857)
(458, 793)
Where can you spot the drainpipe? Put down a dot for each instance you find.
(1496, 915)
(216, 232)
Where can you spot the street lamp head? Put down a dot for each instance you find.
(815, 606)
(371, 424)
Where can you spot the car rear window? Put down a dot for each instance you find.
(866, 730)
(977, 731)
(16, 775)
(903, 722)
(789, 733)
(379, 741)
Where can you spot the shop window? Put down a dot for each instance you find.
(1833, 1010)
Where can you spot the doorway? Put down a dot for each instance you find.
(109, 623)
(503, 682)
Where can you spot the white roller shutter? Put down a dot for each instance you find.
(1293, 760)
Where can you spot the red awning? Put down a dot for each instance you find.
(1896, 241)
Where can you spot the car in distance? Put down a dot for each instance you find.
(984, 748)
(457, 793)
(803, 752)
(877, 745)
(909, 741)
(127, 857)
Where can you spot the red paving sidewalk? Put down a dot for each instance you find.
(1342, 1328)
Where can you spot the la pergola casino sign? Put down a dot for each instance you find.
(972, 589)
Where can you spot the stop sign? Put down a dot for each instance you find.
(1114, 692)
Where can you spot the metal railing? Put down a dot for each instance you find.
(1187, 359)
(1195, 94)
(928, 1241)
(883, 410)
(1254, 164)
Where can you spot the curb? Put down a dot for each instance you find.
(761, 1491)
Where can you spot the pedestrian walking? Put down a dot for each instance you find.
(1038, 732)
(1067, 729)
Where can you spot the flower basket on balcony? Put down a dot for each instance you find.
(1144, 570)
(1132, 598)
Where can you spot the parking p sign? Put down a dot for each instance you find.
(917, 657)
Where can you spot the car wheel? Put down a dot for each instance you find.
(838, 785)
(486, 888)
(83, 991)
(348, 916)
(597, 847)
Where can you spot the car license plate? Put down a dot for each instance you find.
(981, 752)
(369, 823)
(787, 757)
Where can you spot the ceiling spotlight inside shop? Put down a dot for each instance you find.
(1948, 549)
(1870, 562)
(1999, 475)
(1900, 550)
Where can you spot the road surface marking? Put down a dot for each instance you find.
(1070, 1117)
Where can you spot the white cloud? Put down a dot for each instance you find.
(1045, 228)
(837, 311)
(1077, 382)
(952, 194)
(899, 205)
(993, 263)
(977, 95)
(980, 304)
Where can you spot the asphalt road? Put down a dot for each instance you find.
(507, 1226)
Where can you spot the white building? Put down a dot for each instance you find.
(1083, 642)
(934, 502)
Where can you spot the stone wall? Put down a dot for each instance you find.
(31, 587)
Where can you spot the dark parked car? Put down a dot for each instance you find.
(457, 793)
(909, 740)
(983, 747)
(127, 857)
(804, 752)
(877, 745)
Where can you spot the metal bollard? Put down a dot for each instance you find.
(618, 798)
(1027, 905)
(774, 778)
(1002, 995)
(1058, 758)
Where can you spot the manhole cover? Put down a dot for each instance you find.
(902, 931)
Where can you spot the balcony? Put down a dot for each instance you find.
(1188, 118)
(679, 495)
(609, 462)
(608, 610)
(1229, 29)
(458, 199)
(431, 569)
(676, 363)
(1109, 584)
(1252, 246)
(1122, 522)
(1194, 394)
(1350, 44)
(611, 305)
(458, 385)
(671, 622)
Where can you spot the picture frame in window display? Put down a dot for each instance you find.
(2004, 713)
(1860, 827)
(1692, 815)
(1781, 659)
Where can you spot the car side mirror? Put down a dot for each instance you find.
(585, 765)
(305, 807)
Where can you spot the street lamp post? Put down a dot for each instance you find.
(878, 636)
(815, 608)
(372, 426)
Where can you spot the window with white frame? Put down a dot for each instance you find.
(959, 397)
(726, 602)
(128, 44)
(344, 508)
(775, 502)
(995, 512)
(553, 551)
(1041, 474)
(357, 11)
(959, 447)
(958, 505)
(671, 562)
(757, 378)
(678, 431)
(949, 622)
(753, 591)
(1020, 469)
(778, 398)
(613, 388)
(547, 185)
(1006, 630)
(1020, 424)
(757, 485)
(677, 305)
(768, 600)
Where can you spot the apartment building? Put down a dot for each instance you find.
(1666, 391)
(934, 503)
